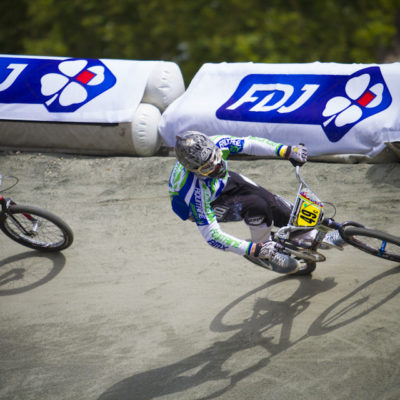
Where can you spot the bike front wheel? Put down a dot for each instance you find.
(377, 243)
(36, 228)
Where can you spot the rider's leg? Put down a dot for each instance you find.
(258, 217)
(260, 233)
(277, 213)
(334, 240)
(304, 237)
(331, 240)
(244, 200)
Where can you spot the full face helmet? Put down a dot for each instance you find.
(199, 154)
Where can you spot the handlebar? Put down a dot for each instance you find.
(298, 176)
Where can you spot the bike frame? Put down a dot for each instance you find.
(322, 225)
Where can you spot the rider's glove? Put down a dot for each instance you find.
(297, 155)
(267, 249)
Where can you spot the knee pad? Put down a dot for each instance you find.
(255, 221)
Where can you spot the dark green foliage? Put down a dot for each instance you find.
(193, 32)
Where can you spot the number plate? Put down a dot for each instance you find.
(309, 213)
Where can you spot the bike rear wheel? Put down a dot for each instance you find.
(374, 242)
(36, 228)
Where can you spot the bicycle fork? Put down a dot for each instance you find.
(6, 203)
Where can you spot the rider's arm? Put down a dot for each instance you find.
(251, 145)
(215, 237)
(208, 225)
(256, 146)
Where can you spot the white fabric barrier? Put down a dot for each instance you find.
(335, 109)
(85, 105)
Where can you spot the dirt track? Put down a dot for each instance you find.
(140, 308)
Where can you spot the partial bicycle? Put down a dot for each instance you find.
(303, 237)
(31, 226)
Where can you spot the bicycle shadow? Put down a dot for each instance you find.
(357, 304)
(207, 366)
(23, 272)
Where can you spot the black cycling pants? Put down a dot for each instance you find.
(243, 200)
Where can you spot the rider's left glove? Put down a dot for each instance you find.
(297, 155)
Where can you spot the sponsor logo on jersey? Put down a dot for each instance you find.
(60, 85)
(335, 102)
(216, 244)
(220, 237)
(235, 145)
(199, 205)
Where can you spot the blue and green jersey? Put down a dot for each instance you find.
(191, 195)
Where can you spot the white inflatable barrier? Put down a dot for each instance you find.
(341, 112)
(164, 85)
(107, 107)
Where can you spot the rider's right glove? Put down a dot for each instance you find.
(297, 155)
(267, 249)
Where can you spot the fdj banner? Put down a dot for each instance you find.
(60, 86)
(76, 90)
(336, 103)
(332, 108)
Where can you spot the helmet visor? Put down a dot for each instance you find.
(213, 163)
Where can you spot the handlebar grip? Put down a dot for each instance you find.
(296, 163)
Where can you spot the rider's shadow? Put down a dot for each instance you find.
(26, 271)
(207, 366)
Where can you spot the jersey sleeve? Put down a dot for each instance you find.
(180, 188)
(209, 227)
(251, 145)
(218, 239)
(256, 146)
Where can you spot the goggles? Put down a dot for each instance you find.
(214, 163)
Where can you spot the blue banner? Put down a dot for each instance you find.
(332, 108)
(335, 102)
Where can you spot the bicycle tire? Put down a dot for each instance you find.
(373, 242)
(49, 225)
(307, 270)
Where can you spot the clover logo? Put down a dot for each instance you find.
(70, 85)
(348, 110)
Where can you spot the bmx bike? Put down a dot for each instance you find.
(308, 215)
(31, 226)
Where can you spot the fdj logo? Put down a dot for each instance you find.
(335, 102)
(61, 86)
